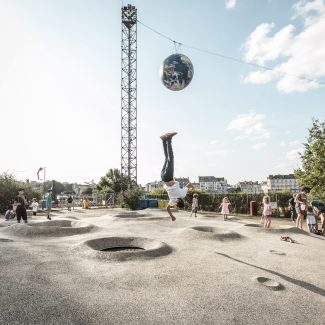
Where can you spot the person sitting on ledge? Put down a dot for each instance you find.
(175, 193)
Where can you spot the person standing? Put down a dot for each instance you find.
(20, 202)
(224, 206)
(34, 206)
(49, 201)
(301, 206)
(267, 211)
(174, 191)
(195, 205)
(69, 200)
(292, 208)
(311, 220)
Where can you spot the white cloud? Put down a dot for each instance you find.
(297, 57)
(259, 145)
(290, 143)
(294, 142)
(293, 155)
(212, 142)
(230, 4)
(219, 153)
(289, 161)
(251, 125)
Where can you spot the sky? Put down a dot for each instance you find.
(60, 79)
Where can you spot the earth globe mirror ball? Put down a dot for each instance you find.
(176, 72)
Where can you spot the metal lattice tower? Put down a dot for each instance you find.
(129, 95)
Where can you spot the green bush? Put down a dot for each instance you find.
(131, 198)
(9, 190)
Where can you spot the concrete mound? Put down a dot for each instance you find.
(129, 215)
(253, 225)
(291, 230)
(122, 248)
(53, 228)
(280, 230)
(139, 216)
(4, 240)
(214, 233)
(268, 283)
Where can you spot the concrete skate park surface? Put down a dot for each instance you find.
(121, 267)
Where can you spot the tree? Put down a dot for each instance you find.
(158, 191)
(88, 191)
(55, 186)
(312, 171)
(131, 198)
(9, 190)
(113, 181)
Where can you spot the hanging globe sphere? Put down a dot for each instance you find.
(176, 72)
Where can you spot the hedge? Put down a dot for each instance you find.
(240, 202)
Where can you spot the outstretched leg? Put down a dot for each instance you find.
(167, 172)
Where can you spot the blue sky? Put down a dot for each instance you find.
(60, 87)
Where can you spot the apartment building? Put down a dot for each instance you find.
(282, 182)
(213, 184)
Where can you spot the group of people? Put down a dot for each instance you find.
(19, 207)
(300, 209)
(176, 195)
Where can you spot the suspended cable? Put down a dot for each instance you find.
(227, 57)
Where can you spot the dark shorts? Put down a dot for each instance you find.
(194, 210)
(34, 213)
(21, 213)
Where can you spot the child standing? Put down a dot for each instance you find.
(311, 220)
(49, 201)
(267, 212)
(195, 205)
(225, 208)
(34, 206)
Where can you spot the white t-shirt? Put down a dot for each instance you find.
(195, 202)
(34, 206)
(174, 192)
(311, 219)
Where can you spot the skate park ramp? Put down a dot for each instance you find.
(56, 228)
(127, 271)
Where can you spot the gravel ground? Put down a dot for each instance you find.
(213, 272)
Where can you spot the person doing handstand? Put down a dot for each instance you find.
(175, 193)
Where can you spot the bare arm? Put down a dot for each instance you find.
(297, 198)
(189, 185)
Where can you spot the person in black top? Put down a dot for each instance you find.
(70, 200)
(20, 202)
(292, 208)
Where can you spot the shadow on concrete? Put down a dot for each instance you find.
(302, 284)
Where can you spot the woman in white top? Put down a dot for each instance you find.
(175, 193)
